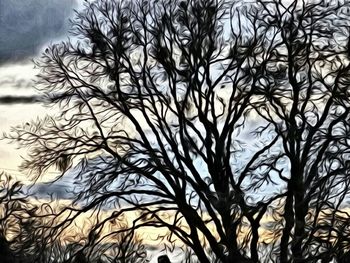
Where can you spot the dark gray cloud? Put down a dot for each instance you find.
(18, 99)
(25, 26)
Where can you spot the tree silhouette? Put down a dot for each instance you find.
(305, 99)
(15, 212)
(225, 124)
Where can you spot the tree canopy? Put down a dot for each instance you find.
(224, 123)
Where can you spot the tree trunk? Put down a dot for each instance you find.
(289, 222)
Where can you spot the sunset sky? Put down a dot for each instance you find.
(26, 28)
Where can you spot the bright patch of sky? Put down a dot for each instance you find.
(26, 27)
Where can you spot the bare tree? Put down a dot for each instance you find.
(305, 99)
(40, 243)
(26, 235)
(17, 214)
(181, 114)
(10, 206)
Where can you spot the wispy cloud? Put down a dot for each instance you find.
(18, 83)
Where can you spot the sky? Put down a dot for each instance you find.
(26, 28)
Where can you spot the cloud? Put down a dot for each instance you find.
(6, 100)
(55, 190)
(16, 82)
(25, 26)
(58, 188)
